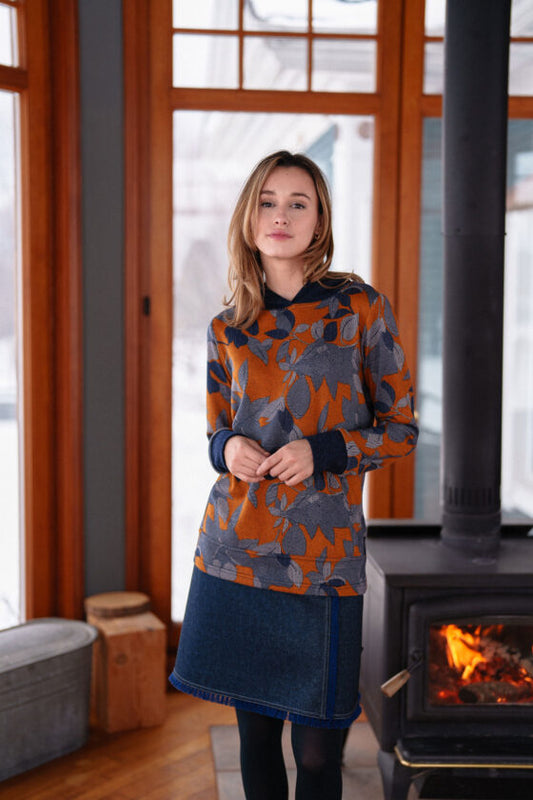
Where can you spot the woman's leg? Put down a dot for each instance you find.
(318, 756)
(263, 769)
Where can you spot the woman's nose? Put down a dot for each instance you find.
(281, 217)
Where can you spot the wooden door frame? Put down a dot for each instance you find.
(385, 234)
(39, 521)
(148, 282)
(68, 335)
(137, 128)
(410, 95)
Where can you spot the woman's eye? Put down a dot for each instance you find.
(298, 205)
(265, 204)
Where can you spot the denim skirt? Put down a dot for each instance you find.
(289, 656)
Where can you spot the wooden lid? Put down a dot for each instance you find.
(117, 604)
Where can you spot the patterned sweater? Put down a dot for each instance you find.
(328, 366)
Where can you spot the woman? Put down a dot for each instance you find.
(307, 390)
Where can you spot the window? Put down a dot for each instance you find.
(11, 424)
(40, 496)
(9, 44)
(517, 412)
(520, 55)
(276, 47)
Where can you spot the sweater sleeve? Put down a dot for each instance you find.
(218, 401)
(387, 384)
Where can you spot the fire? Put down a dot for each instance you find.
(484, 664)
(462, 649)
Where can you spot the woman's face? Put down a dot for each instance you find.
(287, 217)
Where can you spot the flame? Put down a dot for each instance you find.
(462, 649)
(480, 664)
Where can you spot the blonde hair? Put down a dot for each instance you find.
(245, 273)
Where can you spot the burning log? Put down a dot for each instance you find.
(500, 660)
(493, 692)
(492, 649)
(527, 664)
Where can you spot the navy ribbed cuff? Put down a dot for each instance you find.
(329, 452)
(217, 444)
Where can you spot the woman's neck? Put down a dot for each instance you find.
(286, 282)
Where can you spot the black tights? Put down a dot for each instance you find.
(317, 752)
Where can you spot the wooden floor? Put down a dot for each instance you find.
(170, 762)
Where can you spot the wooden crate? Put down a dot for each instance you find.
(129, 662)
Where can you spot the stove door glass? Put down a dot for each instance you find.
(482, 661)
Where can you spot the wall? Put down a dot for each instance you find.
(102, 154)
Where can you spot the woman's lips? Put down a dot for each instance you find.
(277, 235)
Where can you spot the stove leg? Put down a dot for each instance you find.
(396, 778)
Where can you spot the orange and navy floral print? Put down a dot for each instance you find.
(328, 366)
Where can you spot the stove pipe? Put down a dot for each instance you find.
(474, 147)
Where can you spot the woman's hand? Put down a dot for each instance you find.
(291, 464)
(243, 458)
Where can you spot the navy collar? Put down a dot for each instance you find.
(309, 293)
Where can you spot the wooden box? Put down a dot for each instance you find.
(129, 662)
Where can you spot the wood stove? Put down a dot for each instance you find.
(463, 629)
(449, 609)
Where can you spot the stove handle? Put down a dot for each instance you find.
(395, 683)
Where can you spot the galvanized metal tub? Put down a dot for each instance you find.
(45, 680)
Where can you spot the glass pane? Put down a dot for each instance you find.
(330, 16)
(276, 15)
(435, 18)
(213, 14)
(213, 154)
(275, 63)
(434, 68)
(486, 662)
(517, 422)
(344, 66)
(209, 62)
(517, 443)
(8, 45)
(521, 18)
(429, 380)
(521, 69)
(10, 430)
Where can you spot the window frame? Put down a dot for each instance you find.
(50, 279)
(415, 108)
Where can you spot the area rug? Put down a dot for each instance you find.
(361, 778)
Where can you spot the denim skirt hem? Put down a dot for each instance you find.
(268, 711)
(287, 656)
